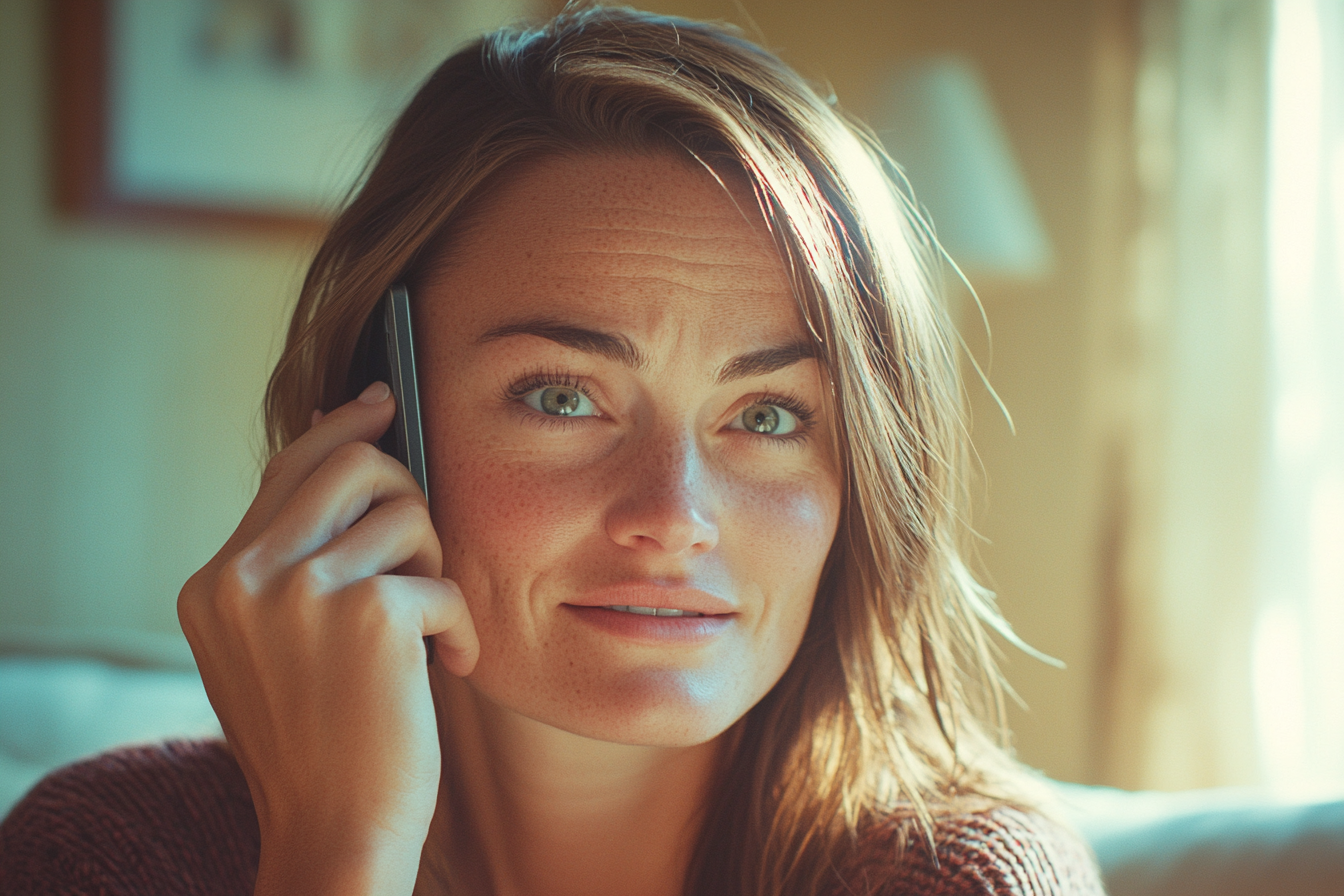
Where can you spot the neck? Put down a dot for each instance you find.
(530, 809)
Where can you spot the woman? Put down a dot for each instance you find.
(688, 571)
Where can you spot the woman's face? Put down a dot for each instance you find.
(625, 429)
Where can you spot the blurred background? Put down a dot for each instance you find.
(1146, 194)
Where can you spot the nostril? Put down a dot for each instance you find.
(673, 527)
(667, 502)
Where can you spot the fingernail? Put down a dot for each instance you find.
(316, 419)
(376, 393)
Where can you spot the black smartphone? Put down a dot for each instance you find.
(386, 351)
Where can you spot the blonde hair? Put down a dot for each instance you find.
(893, 703)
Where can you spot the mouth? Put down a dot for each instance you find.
(652, 611)
(653, 598)
(655, 613)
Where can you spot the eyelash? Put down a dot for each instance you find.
(541, 378)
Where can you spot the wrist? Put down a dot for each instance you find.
(337, 863)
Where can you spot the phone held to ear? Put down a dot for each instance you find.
(403, 439)
(386, 352)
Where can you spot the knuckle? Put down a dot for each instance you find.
(368, 593)
(232, 593)
(189, 604)
(191, 591)
(306, 579)
(371, 602)
(240, 574)
(410, 509)
(193, 600)
(218, 594)
(356, 455)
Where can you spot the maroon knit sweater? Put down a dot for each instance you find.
(177, 819)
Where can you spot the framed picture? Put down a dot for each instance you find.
(244, 112)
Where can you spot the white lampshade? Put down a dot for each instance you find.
(939, 125)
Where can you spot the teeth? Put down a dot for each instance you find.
(654, 611)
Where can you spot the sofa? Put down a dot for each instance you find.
(69, 695)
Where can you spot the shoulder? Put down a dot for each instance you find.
(172, 818)
(1000, 851)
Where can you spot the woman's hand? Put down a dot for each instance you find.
(307, 627)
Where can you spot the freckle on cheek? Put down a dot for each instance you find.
(508, 505)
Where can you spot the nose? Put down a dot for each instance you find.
(666, 500)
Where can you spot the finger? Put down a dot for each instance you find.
(354, 478)
(395, 535)
(424, 608)
(364, 419)
(453, 632)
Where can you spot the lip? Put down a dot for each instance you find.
(658, 596)
(717, 613)
(660, 630)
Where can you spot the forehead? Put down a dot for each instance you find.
(638, 243)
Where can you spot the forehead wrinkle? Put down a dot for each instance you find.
(670, 234)
(729, 252)
(606, 208)
(625, 213)
(634, 219)
(713, 291)
(747, 243)
(559, 244)
(663, 256)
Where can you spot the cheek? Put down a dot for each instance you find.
(521, 528)
(784, 537)
(785, 531)
(500, 519)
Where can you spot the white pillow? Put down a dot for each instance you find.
(55, 710)
(1224, 842)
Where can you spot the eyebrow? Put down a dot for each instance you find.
(766, 360)
(620, 349)
(593, 342)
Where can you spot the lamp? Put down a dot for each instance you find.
(940, 126)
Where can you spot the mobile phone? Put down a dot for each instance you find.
(386, 351)
(389, 347)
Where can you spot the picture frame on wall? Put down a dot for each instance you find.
(248, 113)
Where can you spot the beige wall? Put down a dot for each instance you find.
(132, 360)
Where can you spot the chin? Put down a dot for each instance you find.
(655, 708)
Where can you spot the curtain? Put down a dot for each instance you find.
(1299, 633)
(1191, 356)
(1225, 564)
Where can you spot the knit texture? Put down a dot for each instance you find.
(177, 819)
(992, 853)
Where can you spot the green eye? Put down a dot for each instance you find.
(767, 419)
(560, 401)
